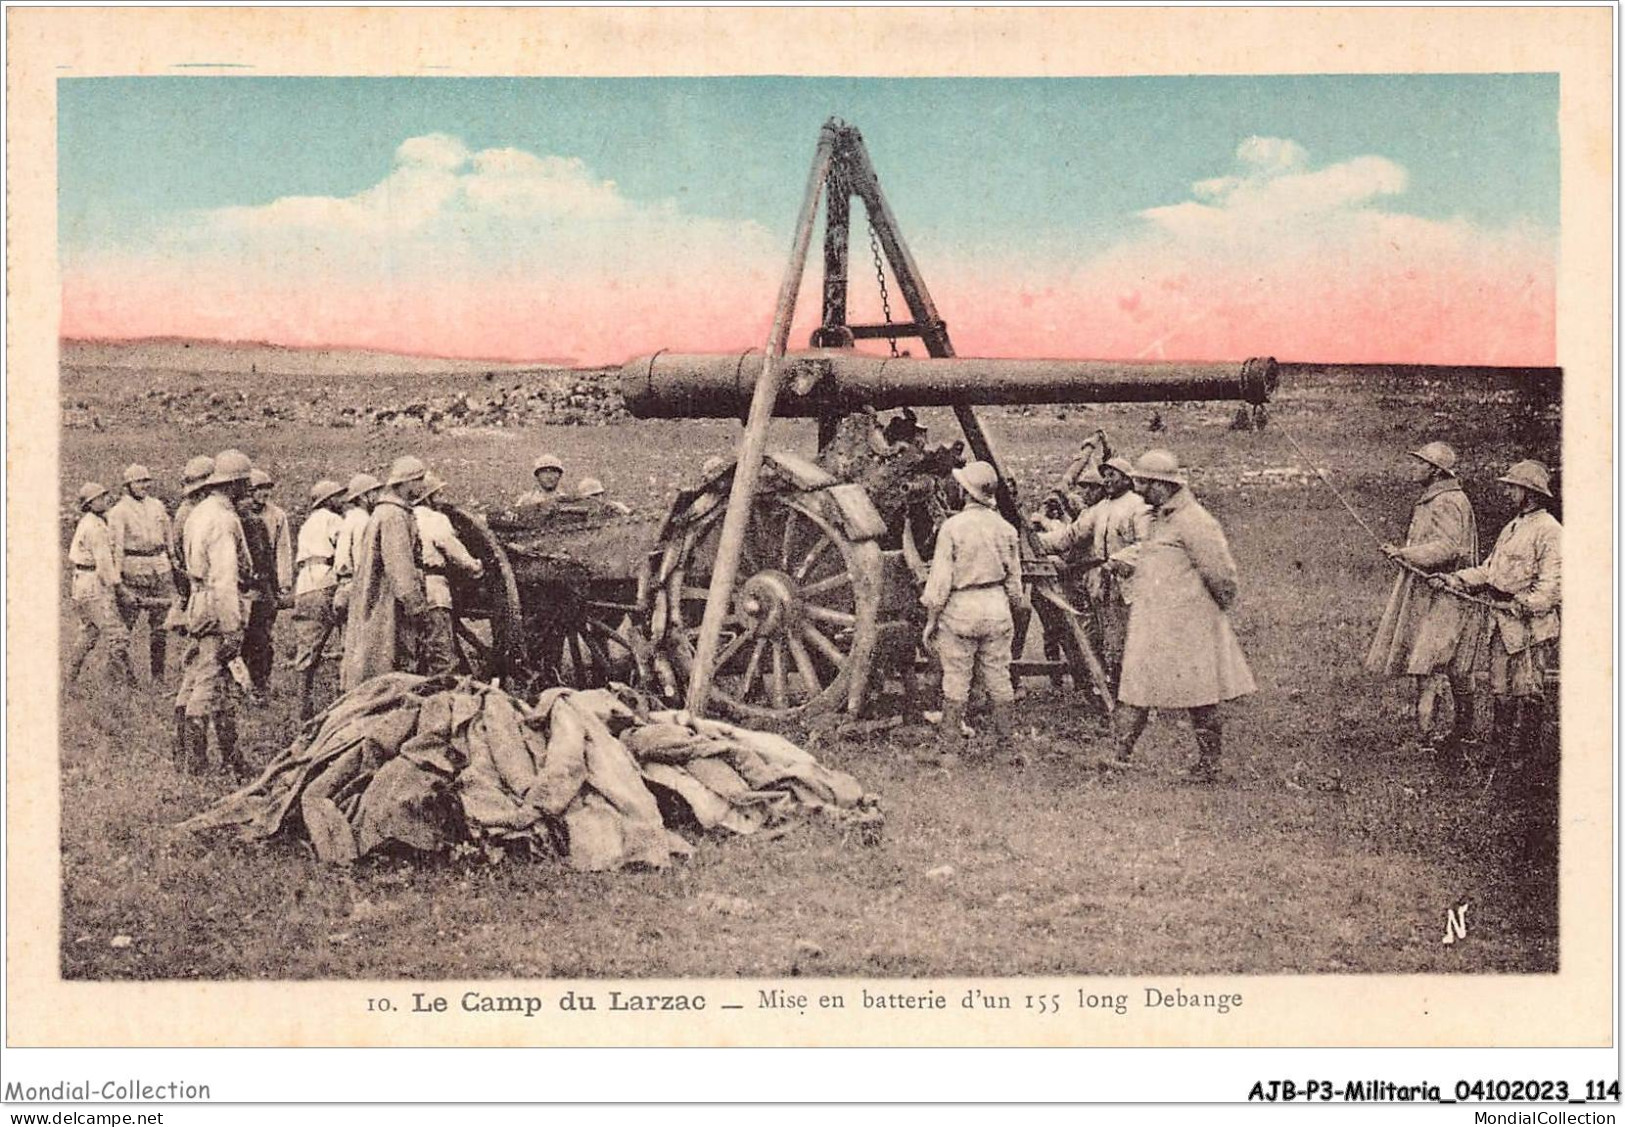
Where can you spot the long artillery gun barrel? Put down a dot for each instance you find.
(835, 381)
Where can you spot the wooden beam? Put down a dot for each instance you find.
(747, 471)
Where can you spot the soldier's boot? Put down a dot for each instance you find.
(1209, 745)
(231, 758)
(1463, 726)
(120, 672)
(157, 653)
(1001, 727)
(1531, 725)
(196, 760)
(1127, 725)
(177, 756)
(307, 692)
(76, 659)
(950, 733)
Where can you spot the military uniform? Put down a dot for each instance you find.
(95, 586)
(215, 617)
(975, 576)
(142, 541)
(440, 548)
(317, 578)
(387, 600)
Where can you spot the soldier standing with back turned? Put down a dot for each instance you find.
(387, 601)
(215, 616)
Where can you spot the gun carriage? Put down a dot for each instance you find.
(805, 573)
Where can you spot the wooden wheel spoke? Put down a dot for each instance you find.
(830, 583)
(753, 668)
(823, 645)
(830, 615)
(787, 544)
(599, 631)
(727, 652)
(778, 684)
(814, 554)
(461, 631)
(804, 666)
(578, 659)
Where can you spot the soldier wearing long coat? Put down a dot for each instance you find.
(387, 599)
(1421, 629)
(1180, 651)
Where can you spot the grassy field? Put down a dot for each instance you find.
(1336, 848)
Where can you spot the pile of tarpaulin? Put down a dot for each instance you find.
(596, 777)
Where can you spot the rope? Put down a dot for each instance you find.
(1490, 604)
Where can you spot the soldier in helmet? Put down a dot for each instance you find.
(265, 527)
(96, 584)
(1180, 652)
(387, 601)
(359, 495)
(590, 490)
(437, 650)
(974, 580)
(216, 614)
(1518, 646)
(141, 546)
(313, 615)
(548, 470)
(1420, 628)
(193, 477)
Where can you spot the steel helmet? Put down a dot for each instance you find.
(135, 473)
(195, 474)
(360, 485)
(1529, 475)
(1121, 464)
(89, 491)
(259, 479)
(547, 462)
(324, 490)
(589, 487)
(229, 466)
(1159, 465)
(1090, 476)
(980, 480)
(1440, 455)
(405, 469)
(432, 484)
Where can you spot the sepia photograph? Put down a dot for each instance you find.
(705, 541)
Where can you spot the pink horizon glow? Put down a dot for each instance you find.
(1451, 314)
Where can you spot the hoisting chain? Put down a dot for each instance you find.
(880, 278)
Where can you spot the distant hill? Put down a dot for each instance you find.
(254, 357)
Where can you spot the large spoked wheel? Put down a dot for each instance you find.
(487, 623)
(584, 634)
(801, 626)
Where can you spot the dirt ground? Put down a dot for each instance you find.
(1336, 847)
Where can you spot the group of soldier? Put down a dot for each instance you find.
(372, 559)
(1155, 568)
(1159, 575)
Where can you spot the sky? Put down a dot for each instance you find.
(1325, 218)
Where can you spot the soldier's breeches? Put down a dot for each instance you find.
(204, 687)
(437, 651)
(967, 648)
(100, 621)
(314, 621)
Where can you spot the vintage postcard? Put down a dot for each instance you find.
(700, 527)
